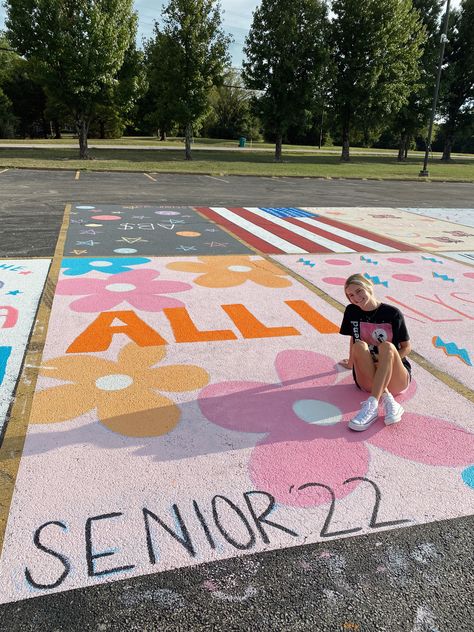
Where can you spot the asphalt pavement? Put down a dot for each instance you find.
(415, 579)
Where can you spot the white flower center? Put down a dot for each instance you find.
(314, 411)
(240, 268)
(115, 382)
(120, 287)
(101, 264)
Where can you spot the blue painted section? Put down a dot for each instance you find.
(468, 476)
(77, 267)
(288, 212)
(453, 350)
(5, 353)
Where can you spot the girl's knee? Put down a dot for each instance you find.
(386, 348)
(360, 346)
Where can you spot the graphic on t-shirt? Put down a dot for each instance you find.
(375, 333)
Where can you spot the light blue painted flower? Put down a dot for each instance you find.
(468, 476)
(77, 267)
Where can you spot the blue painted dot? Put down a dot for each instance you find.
(468, 476)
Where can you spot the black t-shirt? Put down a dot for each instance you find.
(385, 323)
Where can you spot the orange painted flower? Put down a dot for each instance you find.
(123, 392)
(229, 271)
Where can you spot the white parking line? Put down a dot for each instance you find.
(148, 176)
(220, 179)
(3, 170)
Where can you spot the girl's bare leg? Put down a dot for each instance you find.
(390, 374)
(364, 366)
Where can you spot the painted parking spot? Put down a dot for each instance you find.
(192, 409)
(417, 231)
(21, 285)
(435, 294)
(463, 216)
(112, 230)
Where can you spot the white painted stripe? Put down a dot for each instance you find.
(363, 241)
(220, 179)
(3, 170)
(259, 232)
(334, 246)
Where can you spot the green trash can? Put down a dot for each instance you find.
(242, 140)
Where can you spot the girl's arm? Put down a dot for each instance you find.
(347, 362)
(405, 348)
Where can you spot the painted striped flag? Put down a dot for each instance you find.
(294, 231)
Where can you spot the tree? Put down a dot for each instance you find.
(78, 48)
(121, 102)
(376, 46)
(158, 103)
(195, 52)
(231, 113)
(8, 60)
(457, 89)
(413, 117)
(285, 54)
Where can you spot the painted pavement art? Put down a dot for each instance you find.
(192, 409)
(137, 230)
(435, 294)
(21, 285)
(464, 216)
(295, 230)
(416, 231)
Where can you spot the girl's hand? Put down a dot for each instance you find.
(346, 363)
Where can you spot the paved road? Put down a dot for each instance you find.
(37, 198)
(417, 579)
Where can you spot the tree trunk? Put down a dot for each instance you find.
(102, 129)
(278, 144)
(162, 134)
(56, 128)
(189, 135)
(345, 156)
(448, 145)
(82, 126)
(402, 147)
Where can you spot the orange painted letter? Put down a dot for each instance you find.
(313, 317)
(185, 330)
(250, 327)
(99, 334)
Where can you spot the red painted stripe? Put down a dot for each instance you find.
(247, 237)
(284, 233)
(399, 245)
(328, 235)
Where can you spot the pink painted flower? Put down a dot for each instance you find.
(138, 288)
(304, 422)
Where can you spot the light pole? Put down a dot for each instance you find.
(424, 172)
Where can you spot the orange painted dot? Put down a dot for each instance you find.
(188, 233)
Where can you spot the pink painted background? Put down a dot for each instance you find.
(271, 417)
(426, 287)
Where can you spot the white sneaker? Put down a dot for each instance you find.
(366, 416)
(393, 410)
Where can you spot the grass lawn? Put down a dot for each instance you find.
(221, 163)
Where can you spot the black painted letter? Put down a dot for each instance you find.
(262, 517)
(225, 534)
(184, 539)
(90, 557)
(62, 558)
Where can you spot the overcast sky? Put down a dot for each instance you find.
(236, 20)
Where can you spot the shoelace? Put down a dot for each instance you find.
(390, 406)
(366, 406)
